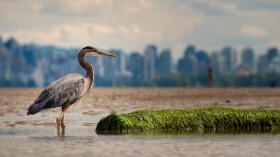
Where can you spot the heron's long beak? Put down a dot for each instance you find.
(100, 53)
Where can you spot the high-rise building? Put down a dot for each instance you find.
(247, 60)
(114, 69)
(229, 60)
(215, 63)
(190, 51)
(271, 54)
(136, 65)
(188, 64)
(119, 61)
(164, 63)
(150, 54)
(262, 64)
(274, 66)
(202, 62)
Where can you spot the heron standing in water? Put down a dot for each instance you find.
(68, 90)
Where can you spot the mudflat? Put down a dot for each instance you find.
(118, 100)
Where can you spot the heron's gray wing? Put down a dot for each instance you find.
(64, 91)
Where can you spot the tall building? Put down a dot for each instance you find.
(271, 54)
(136, 65)
(247, 60)
(188, 64)
(190, 51)
(215, 63)
(5, 64)
(262, 65)
(274, 66)
(150, 54)
(164, 63)
(202, 62)
(119, 61)
(229, 60)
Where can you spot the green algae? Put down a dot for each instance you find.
(178, 120)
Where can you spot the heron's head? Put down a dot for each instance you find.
(92, 51)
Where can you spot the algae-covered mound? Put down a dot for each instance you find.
(190, 119)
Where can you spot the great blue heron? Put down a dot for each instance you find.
(69, 89)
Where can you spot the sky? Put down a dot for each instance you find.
(131, 25)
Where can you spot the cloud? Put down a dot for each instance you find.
(253, 31)
(213, 7)
(131, 25)
(70, 35)
(258, 5)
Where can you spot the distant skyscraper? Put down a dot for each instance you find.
(215, 63)
(136, 65)
(262, 65)
(229, 60)
(274, 66)
(150, 55)
(5, 64)
(188, 64)
(247, 60)
(190, 51)
(164, 63)
(119, 62)
(202, 62)
(12, 45)
(271, 54)
(114, 68)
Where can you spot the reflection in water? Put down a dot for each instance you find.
(60, 129)
(198, 132)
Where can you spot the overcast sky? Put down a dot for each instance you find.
(132, 24)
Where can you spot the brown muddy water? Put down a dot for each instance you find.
(36, 135)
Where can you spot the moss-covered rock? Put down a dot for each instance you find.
(190, 119)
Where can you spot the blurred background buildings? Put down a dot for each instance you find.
(36, 66)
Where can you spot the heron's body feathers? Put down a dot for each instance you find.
(64, 91)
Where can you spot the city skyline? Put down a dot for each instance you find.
(38, 66)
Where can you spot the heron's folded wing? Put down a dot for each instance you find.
(64, 91)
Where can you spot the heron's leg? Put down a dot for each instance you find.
(64, 108)
(62, 131)
(60, 120)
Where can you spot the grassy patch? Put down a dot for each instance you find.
(218, 119)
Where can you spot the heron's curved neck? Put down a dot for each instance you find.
(86, 66)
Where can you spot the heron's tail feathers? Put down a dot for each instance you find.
(34, 108)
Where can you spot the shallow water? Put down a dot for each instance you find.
(36, 135)
(80, 139)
